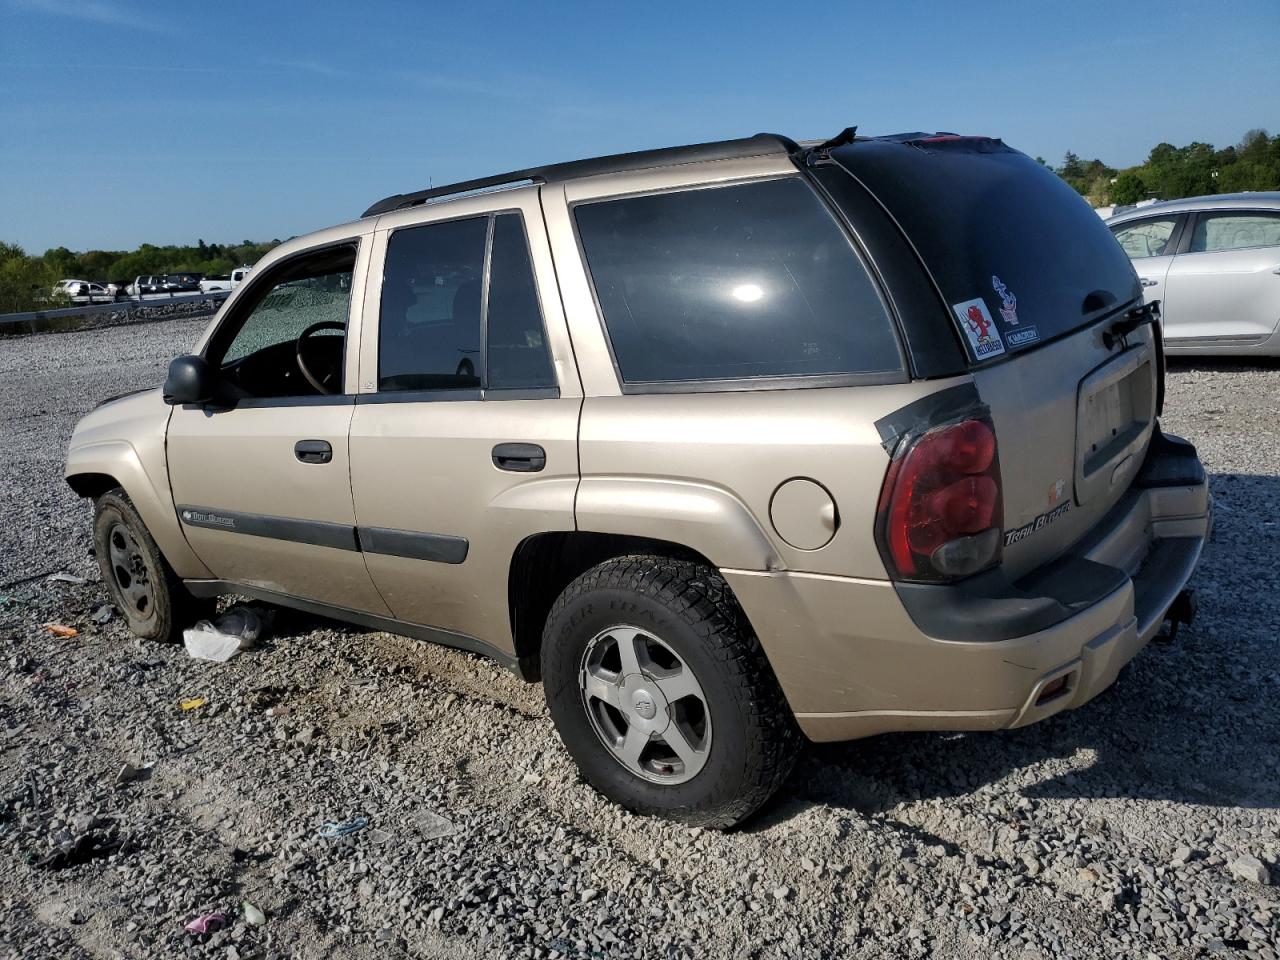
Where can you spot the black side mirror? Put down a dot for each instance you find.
(190, 380)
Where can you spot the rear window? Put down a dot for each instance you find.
(1019, 257)
(738, 282)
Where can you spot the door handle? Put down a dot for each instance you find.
(519, 457)
(313, 451)
(1149, 283)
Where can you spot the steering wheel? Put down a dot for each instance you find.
(302, 364)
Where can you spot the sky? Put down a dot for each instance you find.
(124, 121)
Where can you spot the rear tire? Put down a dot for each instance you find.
(695, 727)
(140, 582)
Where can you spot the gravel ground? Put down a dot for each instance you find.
(1123, 829)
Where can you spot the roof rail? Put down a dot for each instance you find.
(761, 143)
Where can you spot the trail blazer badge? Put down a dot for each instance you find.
(978, 326)
(1008, 302)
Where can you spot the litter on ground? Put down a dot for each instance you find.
(432, 825)
(61, 630)
(193, 704)
(65, 577)
(237, 629)
(331, 830)
(206, 923)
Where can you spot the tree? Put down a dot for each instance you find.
(1128, 188)
(1171, 172)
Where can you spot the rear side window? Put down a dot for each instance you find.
(1215, 232)
(516, 352)
(429, 327)
(439, 304)
(1146, 238)
(729, 283)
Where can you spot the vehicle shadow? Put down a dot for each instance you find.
(1192, 721)
(1209, 364)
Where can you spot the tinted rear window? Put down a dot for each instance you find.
(1019, 257)
(749, 281)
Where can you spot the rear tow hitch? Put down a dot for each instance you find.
(1182, 610)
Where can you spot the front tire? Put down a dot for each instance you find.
(662, 694)
(139, 580)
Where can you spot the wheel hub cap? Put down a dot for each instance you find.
(645, 705)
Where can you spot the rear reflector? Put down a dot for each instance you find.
(941, 507)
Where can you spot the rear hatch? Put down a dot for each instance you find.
(1031, 280)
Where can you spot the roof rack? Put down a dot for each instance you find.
(761, 143)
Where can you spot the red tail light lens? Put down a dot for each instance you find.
(941, 508)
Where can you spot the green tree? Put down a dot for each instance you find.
(1128, 188)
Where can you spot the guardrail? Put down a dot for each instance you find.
(36, 318)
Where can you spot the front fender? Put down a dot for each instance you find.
(148, 490)
(700, 516)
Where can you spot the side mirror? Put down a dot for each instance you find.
(190, 380)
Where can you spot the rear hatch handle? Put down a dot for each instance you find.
(1130, 322)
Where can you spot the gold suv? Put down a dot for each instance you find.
(726, 443)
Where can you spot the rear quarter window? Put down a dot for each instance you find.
(742, 282)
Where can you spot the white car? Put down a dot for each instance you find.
(82, 291)
(215, 285)
(1214, 265)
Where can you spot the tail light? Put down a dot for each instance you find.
(941, 508)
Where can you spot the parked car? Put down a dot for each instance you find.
(84, 291)
(726, 443)
(183, 282)
(215, 284)
(239, 276)
(148, 284)
(1214, 265)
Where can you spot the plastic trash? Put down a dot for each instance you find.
(65, 577)
(103, 614)
(192, 704)
(237, 629)
(253, 914)
(61, 630)
(433, 826)
(206, 923)
(331, 830)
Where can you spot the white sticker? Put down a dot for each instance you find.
(978, 326)
(1022, 336)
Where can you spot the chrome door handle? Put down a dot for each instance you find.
(1149, 283)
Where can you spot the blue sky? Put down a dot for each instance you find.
(123, 121)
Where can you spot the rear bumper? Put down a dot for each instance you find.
(860, 657)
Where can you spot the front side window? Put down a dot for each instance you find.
(728, 283)
(1216, 232)
(436, 312)
(1146, 238)
(300, 308)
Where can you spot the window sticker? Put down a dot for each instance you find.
(1008, 302)
(984, 338)
(1022, 336)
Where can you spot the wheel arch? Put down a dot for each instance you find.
(544, 564)
(95, 468)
